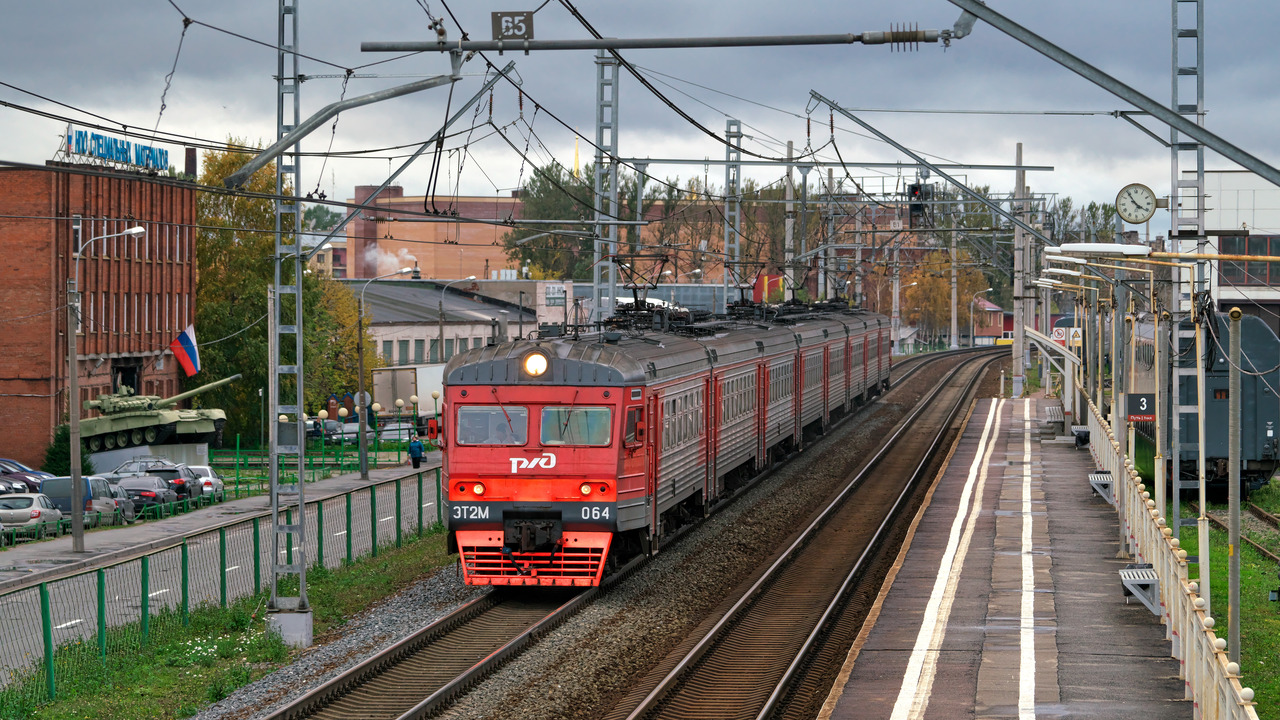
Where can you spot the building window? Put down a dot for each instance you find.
(448, 348)
(75, 235)
(386, 350)
(1236, 272)
(404, 352)
(435, 351)
(418, 346)
(146, 317)
(462, 345)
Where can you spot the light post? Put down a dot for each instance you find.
(323, 415)
(973, 338)
(399, 429)
(435, 400)
(440, 308)
(377, 432)
(73, 387)
(342, 439)
(521, 320)
(361, 400)
(413, 400)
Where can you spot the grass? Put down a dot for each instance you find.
(182, 669)
(1259, 617)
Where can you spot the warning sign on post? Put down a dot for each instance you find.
(1140, 407)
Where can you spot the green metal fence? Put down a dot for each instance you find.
(67, 630)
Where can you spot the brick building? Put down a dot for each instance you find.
(383, 240)
(137, 292)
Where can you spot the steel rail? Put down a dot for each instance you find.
(704, 645)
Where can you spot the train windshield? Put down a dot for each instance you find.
(576, 425)
(493, 425)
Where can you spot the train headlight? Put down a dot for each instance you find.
(535, 364)
(586, 488)
(478, 488)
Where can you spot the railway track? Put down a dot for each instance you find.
(426, 671)
(752, 663)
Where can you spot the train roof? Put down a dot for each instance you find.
(622, 359)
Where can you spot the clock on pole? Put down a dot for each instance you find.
(1136, 203)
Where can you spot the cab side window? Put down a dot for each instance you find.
(635, 416)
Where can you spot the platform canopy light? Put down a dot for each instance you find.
(1103, 249)
(1048, 281)
(1062, 271)
(535, 364)
(1063, 259)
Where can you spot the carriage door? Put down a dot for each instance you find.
(653, 442)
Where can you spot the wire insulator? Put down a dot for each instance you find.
(520, 93)
(490, 106)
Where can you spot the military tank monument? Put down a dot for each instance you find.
(129, 420)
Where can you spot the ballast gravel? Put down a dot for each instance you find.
(579, 669)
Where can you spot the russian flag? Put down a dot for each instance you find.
(185, 350)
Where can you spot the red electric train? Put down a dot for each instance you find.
(564, 454)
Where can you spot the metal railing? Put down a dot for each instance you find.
(65, 630)
(1212, 682)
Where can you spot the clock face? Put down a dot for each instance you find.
(1136, 203)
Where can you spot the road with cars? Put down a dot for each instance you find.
(74, 600)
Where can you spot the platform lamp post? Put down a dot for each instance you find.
(73, 387)
(413, 400)
(323, 415)
(342, 440)
(973, 338)
(362, 405)
(440, 310)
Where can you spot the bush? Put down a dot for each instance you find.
(57, 457)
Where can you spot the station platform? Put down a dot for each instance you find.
(1006, 601)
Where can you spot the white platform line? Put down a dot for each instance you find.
(917, 682)
(1027, 627)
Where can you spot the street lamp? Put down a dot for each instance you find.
(399, 429)
(413, 400)
(377, 432)
(973, 339)
(361, 400)
(440, 343)
(73, 388)
(323, 415)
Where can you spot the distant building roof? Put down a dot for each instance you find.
(409, 302)
(987, 305)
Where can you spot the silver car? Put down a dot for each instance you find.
(30, 513)
(214, 486)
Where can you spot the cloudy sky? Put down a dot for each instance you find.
(111, 58)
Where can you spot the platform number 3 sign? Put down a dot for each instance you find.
(1141, 407)
(512, 25)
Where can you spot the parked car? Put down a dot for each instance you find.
(328, 428)
(214, 485)
(125, 509)
(99, 504)
(398, 432)
(184, 482)
(10, 485)
(349, 432)
(14, 471)
(30, 513)
(147, 490)
(25, 468)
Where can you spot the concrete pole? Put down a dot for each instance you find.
(1202, 523)
(73, 419)
(362, 406)
(1018, 371)
(857, 275)
(824, 275)
(1161, 499)
(789, 224)
(1233, 492)
(894, 318)
(802, 240)
(955, 318)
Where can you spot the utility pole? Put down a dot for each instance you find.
(789, 225)
(1019, 280)
(894, 319)
(955, 319)
(1233, 492)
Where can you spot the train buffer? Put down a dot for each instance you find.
(1103, 485)
(1141, 581)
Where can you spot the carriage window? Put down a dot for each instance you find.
(489, 425)
(634, 417)
(576, 425)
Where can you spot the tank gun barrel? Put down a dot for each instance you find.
(167, 402)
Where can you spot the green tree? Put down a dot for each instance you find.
(235, 268)
(57, 457)
(553, 193)
(319, 217)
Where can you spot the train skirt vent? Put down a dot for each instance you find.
(577, 561)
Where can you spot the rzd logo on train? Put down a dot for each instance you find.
(546, 460)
